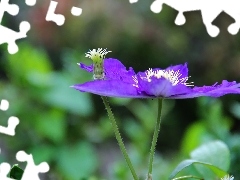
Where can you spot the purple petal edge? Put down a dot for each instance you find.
(212, 91)
(111, 88)
(86, 67)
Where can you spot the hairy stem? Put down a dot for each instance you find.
(187, 177)
(155, 137)
(119, 138)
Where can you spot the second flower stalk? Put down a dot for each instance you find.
(154, 140)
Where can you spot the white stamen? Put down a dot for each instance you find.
(135, 80)
(99, 52)
(170, 75)
(227, 177)
(149, 73)
(159, 73)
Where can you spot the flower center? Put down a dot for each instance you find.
(172, 76)
(97, 57)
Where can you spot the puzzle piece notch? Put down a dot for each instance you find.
(76, 11)
(10, 130)
(31, 171)
(233, 28)
(12, 9)
(4, 105)
(30, 2)
(133, 1)
(59, 19)
(156, 6)
(12, 121)
(180, 19)
(9, 36)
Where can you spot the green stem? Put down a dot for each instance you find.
(185, 177)
(119, 138)
(155, 137)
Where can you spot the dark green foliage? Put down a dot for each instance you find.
(16, 172)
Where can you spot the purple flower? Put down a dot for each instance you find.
(168, 83)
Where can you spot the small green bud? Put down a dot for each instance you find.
(97, 57)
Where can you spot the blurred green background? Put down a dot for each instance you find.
(70, 130)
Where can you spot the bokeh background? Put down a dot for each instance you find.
(70, 130)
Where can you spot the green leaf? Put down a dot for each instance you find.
(61, 95)
(16, 172)
(212, 113)
(77, 161)
(235, 109)
(36, 62)
(195, 135)
(49, 119)
(184, 164)
(43, 153)
(215, 153)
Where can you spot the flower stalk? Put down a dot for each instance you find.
(154, 140)
(118, 137)
(187, 177)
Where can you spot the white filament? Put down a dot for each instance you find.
(172, 76)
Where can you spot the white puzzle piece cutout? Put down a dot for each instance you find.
(12, 9)
(7, 35)
(4, 170)
(31, 170)
(12, 121)
(4, 105)
(10, 130)
(76, 11)
(30, 2)
(209, 10)
(133, 1)
(59, 19)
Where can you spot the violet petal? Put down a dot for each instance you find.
(111, 88)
